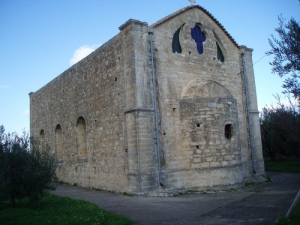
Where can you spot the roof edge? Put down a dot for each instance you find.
(159, 22)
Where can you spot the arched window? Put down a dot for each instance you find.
(220, 49)
(81, 138)
(42, 139)
(176, 46)
(220, 53)
(199, 37)
(59, 142)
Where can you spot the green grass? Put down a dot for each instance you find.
(283, 165)
(191, 191)
(53, 209)
(252, 183)
(293, 220)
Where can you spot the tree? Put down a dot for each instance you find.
(286, 52)
(280, 130)
(25, 171)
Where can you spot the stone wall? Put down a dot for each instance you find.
(92, 89)
(136, 116)
(191, 153)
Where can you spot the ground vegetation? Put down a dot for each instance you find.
(27, 169)
(280, 130)
(53, 209)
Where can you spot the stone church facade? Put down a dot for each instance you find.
(159, 108)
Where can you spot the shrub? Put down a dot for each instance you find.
(25, 170)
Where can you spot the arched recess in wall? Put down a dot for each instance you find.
(81, 138)
(176, 45)
(59, 142)
(208, 91)
(197, 88)
(220, 49)
(42, 139)
(209, 123)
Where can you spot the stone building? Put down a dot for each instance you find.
(158, 108)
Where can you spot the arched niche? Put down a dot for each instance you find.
(42, 139)
(59, 142)
(81, 138)
(204, 89)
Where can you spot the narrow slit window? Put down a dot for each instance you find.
(228, 131)
(199, 37)
(220, 54)
(176, 46)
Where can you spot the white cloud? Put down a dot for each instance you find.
(26, 112)
(3, 86)
(82, 52)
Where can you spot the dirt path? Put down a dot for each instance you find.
(261, 204)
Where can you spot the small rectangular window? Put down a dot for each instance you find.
(228, 131)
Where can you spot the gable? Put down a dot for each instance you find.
(186, 10)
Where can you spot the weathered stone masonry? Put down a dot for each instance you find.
(156, 108)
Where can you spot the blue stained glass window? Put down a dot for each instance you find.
(199, 38)
(176, 47)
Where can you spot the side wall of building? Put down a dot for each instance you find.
(199, 95)
(105, 102)
(87, 101)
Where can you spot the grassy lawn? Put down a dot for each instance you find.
(283, 165)
(53, 209)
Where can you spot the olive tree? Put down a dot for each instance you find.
(25, 170)
(286, 52)
(280, 130)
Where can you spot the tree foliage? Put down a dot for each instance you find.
(286, 52)
(280, 130)
(25, 171)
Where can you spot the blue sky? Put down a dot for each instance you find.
(39, 39)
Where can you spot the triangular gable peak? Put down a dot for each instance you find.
(158, 23)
